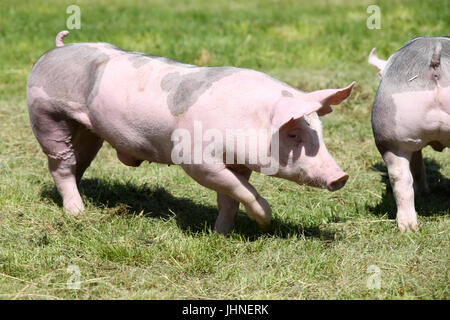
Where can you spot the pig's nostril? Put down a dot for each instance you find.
(338, 184)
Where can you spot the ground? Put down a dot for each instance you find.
(147, 231)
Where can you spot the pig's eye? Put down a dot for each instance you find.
(295, 136)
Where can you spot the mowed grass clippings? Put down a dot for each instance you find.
(147, 232)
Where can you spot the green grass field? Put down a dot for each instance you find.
(147, 232)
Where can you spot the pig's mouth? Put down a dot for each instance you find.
(315, 183)
(332, 184)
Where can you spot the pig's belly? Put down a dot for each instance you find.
(134, 132)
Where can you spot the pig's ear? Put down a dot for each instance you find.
(288, 109)
(329, 97)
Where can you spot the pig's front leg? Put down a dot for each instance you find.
(235, 186)
(402, 184)
(419, 175)
(228, 207)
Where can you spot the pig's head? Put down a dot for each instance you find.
(303, 156)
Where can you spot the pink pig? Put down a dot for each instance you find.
(411, 111)
(82, 94)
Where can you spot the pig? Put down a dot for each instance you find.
(82, 94)
(411, 110)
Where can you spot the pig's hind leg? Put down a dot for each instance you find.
(68, 151)
(418, 171)
(86, 146)
(402, 181)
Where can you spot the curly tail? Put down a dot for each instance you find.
(436, 57)
(436, 62)
(377, 62)
(59, 41)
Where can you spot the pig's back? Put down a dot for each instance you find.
(409, 68)
(69, 73)
(407, 86)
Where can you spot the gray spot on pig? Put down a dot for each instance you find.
(51, 129)
(170, 81)
(383, 119)
(412, 61)
(171, 61)
(286, 93)
(139, 59)
(69, 73)
(184, 90)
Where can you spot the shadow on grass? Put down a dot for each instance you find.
(436, 203)
(155, 202)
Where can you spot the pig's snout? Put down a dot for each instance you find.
(337, 183)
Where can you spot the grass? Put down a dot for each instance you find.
(147, 231)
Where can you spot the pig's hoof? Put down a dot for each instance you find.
(223, 228)
(407, 220)
(265, 227)
(73, 209)
(260, 211)
(406, 226)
